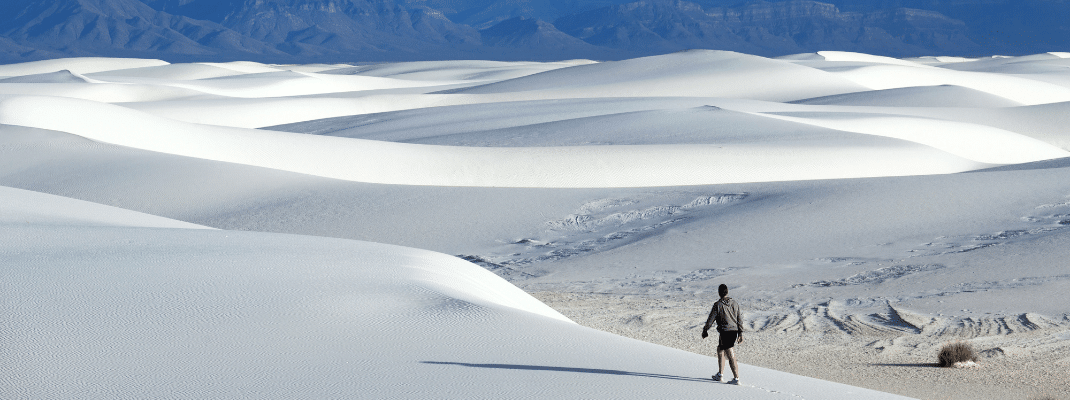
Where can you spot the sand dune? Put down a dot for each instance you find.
(105, 92)
(395, 163)
(572, 122)
(974, 142)
(149, 311)
(824, 188)
(692, 73)
(81, 65)
(937, 60)
(1019, 89)
(185, 72)
(289, 83)
(445, 118)
(26, 208)
(861, 57)
(455, 70)
(995, 64)
(263, 112)
(917, 96)
(1045, 122)
(63, 76)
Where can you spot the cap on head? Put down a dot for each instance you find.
(722, 290)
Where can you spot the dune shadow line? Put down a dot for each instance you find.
(571, 369)
(927, 365)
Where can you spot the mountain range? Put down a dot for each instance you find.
(384, 30)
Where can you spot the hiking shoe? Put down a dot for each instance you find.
(734, 381)
(717, 377)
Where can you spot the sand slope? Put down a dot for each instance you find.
(1019, 89)
(160, 312)
(692, 73)
(826, 189)
(395, 163)
(917, 96)
(80, 65)
(23, 208)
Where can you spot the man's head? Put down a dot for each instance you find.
(722, 290)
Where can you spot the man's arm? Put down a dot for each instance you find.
(739, 323)
(709, 321)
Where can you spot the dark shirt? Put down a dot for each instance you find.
(726, 314)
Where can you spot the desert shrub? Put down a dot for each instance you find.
(955, 352)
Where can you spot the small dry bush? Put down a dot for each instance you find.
(955, 352)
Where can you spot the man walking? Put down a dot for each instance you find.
(726, 313)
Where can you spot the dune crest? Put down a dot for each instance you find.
(409, 164)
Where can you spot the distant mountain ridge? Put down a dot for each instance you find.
(377, 30)
(767, 28)
(100, 26)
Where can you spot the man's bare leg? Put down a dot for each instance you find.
(731, 361)
(720, 362)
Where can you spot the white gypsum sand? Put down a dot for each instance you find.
(864, 210)
(121, 304)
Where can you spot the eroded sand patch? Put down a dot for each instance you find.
(1024, 364)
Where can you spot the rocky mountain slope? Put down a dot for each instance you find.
(768, 28)
(376, 30)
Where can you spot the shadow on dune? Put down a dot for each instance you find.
(1046, 164)
(570, 369)
(926, 365)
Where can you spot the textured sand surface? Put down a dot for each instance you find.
(1022, 365)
